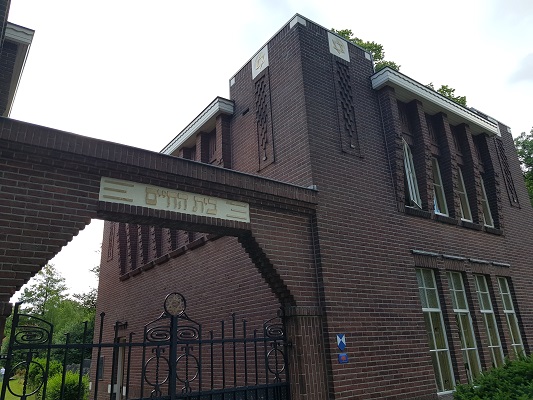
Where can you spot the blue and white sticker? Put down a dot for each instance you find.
(341, 341)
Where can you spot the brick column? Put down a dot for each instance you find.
(5, 311)
(393, 140)
(307, 361)
(223, 140)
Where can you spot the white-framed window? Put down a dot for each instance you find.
(412, 193)
(466, 213)
(438, 342)
(465, 326)
(485, 305)
(510, 316)
(487, 215)
(439, 200)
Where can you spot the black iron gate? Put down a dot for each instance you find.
(174, 360)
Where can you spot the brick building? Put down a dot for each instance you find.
(418, 246)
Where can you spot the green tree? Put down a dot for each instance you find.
(524, 147)
(378, 55)
(375, 49)
(44, 294)
(449, 92)
(46, 297)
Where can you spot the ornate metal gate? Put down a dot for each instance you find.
(174, 360)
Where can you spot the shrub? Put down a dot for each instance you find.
(53, 390)
(512, 381)
(35, 374)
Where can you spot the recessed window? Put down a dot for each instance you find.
(466, 213)
(487, 215)
(485, 304)
(464, 325)
(439, 200)
(510, 315)
(438, 343)
(412, 195)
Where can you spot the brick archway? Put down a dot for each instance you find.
(50, 191)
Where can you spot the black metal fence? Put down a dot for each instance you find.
(173, 360)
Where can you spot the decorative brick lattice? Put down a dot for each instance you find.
(111, 241)
(509, 183)
(133, 243)
(263, 120)
(123, 247)
(346, 108)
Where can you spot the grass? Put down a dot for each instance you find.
(16, 386)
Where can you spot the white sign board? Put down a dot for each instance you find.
(159, 198)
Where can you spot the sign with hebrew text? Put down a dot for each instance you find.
(159, 198)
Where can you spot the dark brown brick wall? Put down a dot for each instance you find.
(340, 259)
(367, 267)
(362, 239)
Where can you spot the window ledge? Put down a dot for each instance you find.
(472, 225)
(124, 277)
(445, 219)
(418, 212)
(494, 231)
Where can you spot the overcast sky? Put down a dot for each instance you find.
(137, 72)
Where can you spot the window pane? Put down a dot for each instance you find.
(429, 329)
(493, 336)
(433, 300)
(473, 368)
(428, 275)
(464, 324)
(487, 215)
(423, 298)
(444, 361)
(512, 321)
(412, 193)
(438, 189)
(466, 214)
(468, 334)
(436, 331)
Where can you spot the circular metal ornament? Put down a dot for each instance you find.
(174, 304)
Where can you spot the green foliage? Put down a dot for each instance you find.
(376, 49)
(524, 147)
(53, 390)
(46, 296)
(35, 374)
(449, 92)
(512, 381)
(48, 289)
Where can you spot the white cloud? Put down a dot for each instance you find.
(524, 72)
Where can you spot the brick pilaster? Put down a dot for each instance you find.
(307, 359)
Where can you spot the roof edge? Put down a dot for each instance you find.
(389, 77)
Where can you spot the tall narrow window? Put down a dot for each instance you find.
(485, 305)
(439, 200)
(466, 214)
(464, 324)
(510, 315)
(412, 193)
(487, 215)
(438, 343)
